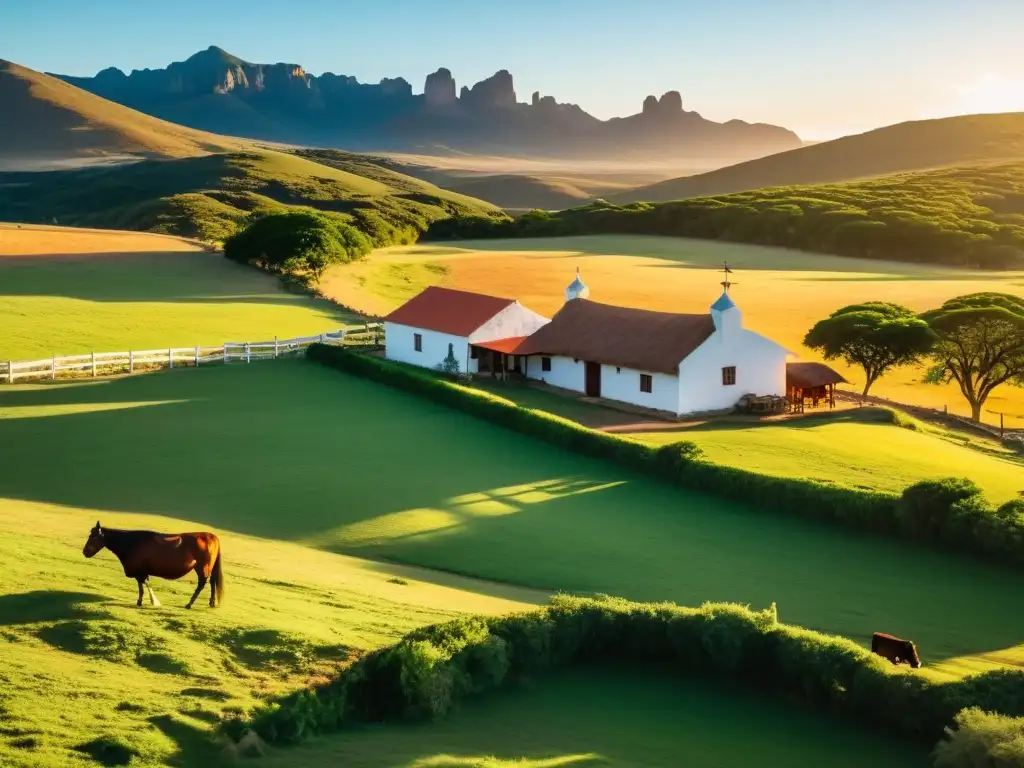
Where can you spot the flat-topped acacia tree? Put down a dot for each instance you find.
(877, 336)
(980, 344)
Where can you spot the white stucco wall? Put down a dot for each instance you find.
(399, 345)
(514, 320)
(624, 386)
(564, 372)
(760, 370)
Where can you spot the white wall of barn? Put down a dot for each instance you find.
(564, 372)
(760, 370)
(514, 320)
(399, 344)
(623, 384)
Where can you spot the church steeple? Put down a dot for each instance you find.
(724, 311)
(577, 289)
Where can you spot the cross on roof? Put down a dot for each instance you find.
(726, 284)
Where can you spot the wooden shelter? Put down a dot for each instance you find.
(811, 381)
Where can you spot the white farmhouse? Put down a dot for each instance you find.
(675, 363)
(422, 330)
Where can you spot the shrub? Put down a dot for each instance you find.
(982, 739)
(431, 670)
(950, 513)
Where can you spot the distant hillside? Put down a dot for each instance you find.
(521, 192)
(47, 121)
(209, 197)
(968, 217)
(216, 91)
(914, 146)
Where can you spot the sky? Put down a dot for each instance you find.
(823, 68)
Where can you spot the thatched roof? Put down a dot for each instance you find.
(806, 375)
(632, 338)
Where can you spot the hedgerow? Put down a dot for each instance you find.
(950, 513)
(429, 672)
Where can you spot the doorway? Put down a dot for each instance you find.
(593, 380)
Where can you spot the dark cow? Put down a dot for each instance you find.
(895, 650)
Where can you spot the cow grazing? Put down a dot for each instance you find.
(895, 650)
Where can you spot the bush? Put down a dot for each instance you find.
(296, 242)
(431, 670)
(949, 513)
(982, 739)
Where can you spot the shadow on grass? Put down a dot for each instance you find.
(46, 605)
(297, 452)
(193, 746)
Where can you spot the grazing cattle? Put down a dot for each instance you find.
(167, 555)
(895, 650)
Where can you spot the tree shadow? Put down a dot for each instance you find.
(303, 453)
(194, 745)
(46, 605)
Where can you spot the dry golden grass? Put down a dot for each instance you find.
(47, 119)
(782, 293)
(53, 242)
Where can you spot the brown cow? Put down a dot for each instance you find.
(167, 555)
(895, 650)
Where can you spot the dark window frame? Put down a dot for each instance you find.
(729, 376)
(545, 364)
(417, 342)
(646, 383)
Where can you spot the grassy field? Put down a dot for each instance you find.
(585, 719)
(852, 447)
(782, 292)
(65, 291)
(336, 469)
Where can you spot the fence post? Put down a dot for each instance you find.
(275, 347)
(10, 371)
(170, 358)
(225, 352)
(197, 356)
(53, 368)
(94, 365)
(247, 351)
(131, 361)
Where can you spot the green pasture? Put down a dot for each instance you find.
(589, 718)
(295, 452)
(117, 302)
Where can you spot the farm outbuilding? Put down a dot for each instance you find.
(663, 361)
(811, 381)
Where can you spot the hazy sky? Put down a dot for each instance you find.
(821, 67)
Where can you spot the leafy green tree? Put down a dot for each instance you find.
(297, 242)
(450, 364)
(877, 336)
(980, 344)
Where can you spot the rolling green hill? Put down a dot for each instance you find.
(516, 192)
(47, 121)
(966, 217)
(208, 197)
(911, 146)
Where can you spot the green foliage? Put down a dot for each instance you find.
(982, 738)
(951, 514)
(431, 670)
(296, 242)
(211, 197)
(963, 216)
(449, 366)
(877, 336)
(980, 344)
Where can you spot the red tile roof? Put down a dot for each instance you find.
(508, 346)
(448, 311)
(634, 338)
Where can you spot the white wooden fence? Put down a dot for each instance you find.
(107, 363)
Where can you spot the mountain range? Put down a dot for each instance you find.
(218, 92)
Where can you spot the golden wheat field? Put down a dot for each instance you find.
(782, 293)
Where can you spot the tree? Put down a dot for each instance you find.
(877, 336)
(296, 242)
(450, 364)
(980, 344)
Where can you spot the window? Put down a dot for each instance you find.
(474, 353)
(545, 363)
(417, 342)
(646, 382)
(729, 375)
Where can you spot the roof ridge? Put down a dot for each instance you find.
(468, 293)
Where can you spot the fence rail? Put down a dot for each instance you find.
(108, 363)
